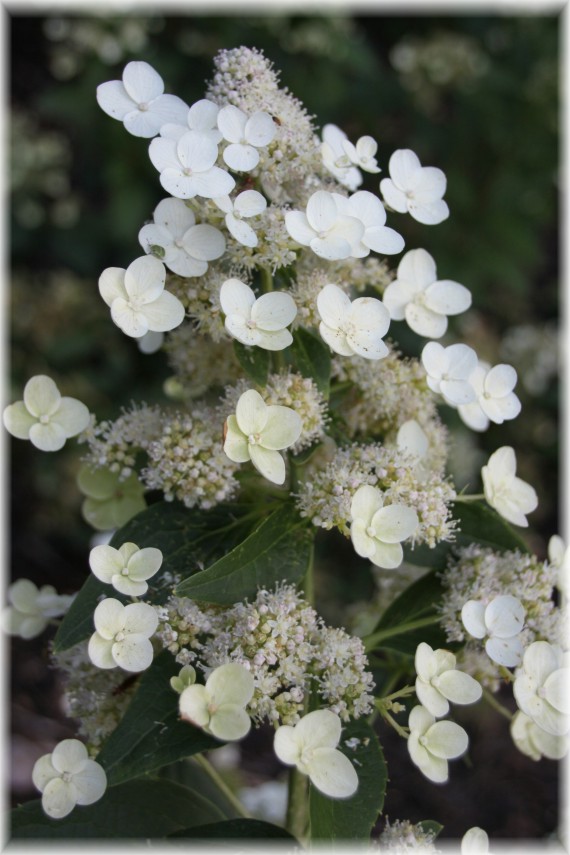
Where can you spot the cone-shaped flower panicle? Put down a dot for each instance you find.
(258, 432)
(535, 742)
(475, 841)
(500, 623)
(246, 134)
(541, 687)
(248, 204)
(126, 568)
(432, 743)
(377, 530)
(495, 400)
(31, 608)
(311, 746)
(68, 777)
(448, 370)
(110, 502)
(336, 160)
(353, 327)
(122, 635)
(186, 166)
(202, 118)
(45, 417)
(415, 189)
(439, 682)
(510, 496)
(261, 322)
(219, 706)
(369, 210)
(330, 234)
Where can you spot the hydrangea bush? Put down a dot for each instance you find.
(276, 287)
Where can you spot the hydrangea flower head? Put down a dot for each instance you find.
(439, 682)
(248, 204)
(31, 608)
(68, 777)
(245, 134)
(262, 322)
(448, 370)
(415, 188)
(219, 706)
(541, 687)
(187, 166)
(510, 496)
(330, 234)
(110, 502)
(353, 327)
(311, 746)
(377, 530)
(432, 743)
(501, 623)
(495, 400)
(122, 634)
(126, 568)
(44, 417)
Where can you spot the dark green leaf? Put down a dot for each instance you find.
(428, 825)
(353, 819)
(141, 809)
(235, 829)
(482, 524)
(278, 549)
(312, 358)
(254, 361)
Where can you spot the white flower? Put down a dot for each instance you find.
(126, 568)
(246, 134)
(336, 160)
(535, 742)
(511, 497)
(31, 608)
(541, 687)
(500, 622)
(219, 706)
(186, 166)
(415, 188)
(257, 433)
(44, 417)
(352, 327)
(186, 677)
(448, 370)
(250, 203)
(363, 153)
(369, 210)
(139, 101)
(559, 556)
(411, 439)
(432, 743)
(376, 530)
(495, 400)
(329, 233)
(184, 247)
(122, 635)
(439, 682)
(475, 841)
(261, 322)
(417, 296)
(137, 297)
(201, 118)
(67, 777)
(311, 746)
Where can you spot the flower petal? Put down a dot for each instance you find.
(458, 687)
(260, 129)
(140, 619)
(112, 284)
(236, 445)
(193, 705)
(109, 617)
(145, 563)
(366, 502)
(250, 203)
(336, 340)
(431, 699)
(114, 99)
(364, 545)
(318, 729)
(204, 242)
(99, 651)
(241, 158)
(434, 359)
(72, 416)
(504, 616)
(322, 211)
(232, 122)
(164, 155)
(143, 123)
(169, 110)
(41, 396)
(274, 311)
(69, 755)
(203, 115)
(383, 239)
(230, 723)
(282, 428)
(196, 152)
(285, 744)
(164, 314)
(428, 184)
(333, 774)
(447, 297)
(555, 687)
(231, 683)
(299, 227)
(269, 463)
(393, 196)
(446, 740)
(425, 322)
(251, 413)
(278, 340)
(473, 618)
(90, 783)
(429, 214)
(505, 651)
(105, 562)
(145, 278)
(457, 392)
(134, 653)
(174, 216)
(211, 184)
(241, 231)
(500, 380)
(394, 523)
(417, 266)
(333, 306)
(540, 660)
(18, 421)
(142, 82)
(387, 555)
(43, 772)
(133, 324)
(49, 437)
(403, 165)
(58, 799)
(236, 298)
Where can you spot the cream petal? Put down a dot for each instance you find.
(446, 740)
(321, 211)
(18, 421)
(458, 687)
(540, 660)
(114, 99)
(403, 165)
(251, 413)
(333, 306)
(319, 729)
(241, 158)
(299, 227)
(269, 463)
(387, 555)
(260, 129)
(143, 123)
(457, 392)
(23, 595)
(41, 396)
(367, 343)
(99, 651)
(133, 324)
(69, 755)
(90, 783)
(109, 618)
(364, 545)
(394, 523)
(230, 723)
(215, 182)
(549, 745)
(333, 774)
(235, 444)
(428, 184)
(555, 688)
(384, 240)
(112, 284)
(282, 428)
(193, 705)
(505, 651)
(49, 437)
(43, 772)
(204, 242)
(434, 359)
(336, 340)
(462, 360)
(412, 439)
(278, 340)
(395, 298)
(142, 82)
(417, 266)
(175, 216)
(250, 203)
(196, 152)
(420, 720)
(369, 315)
(429, 214)
(105, 562)
(203, 115)
(393, 196)
(367, 208)
(431, 699)
(550, 720)
(178, 261)
(285, 745)
(499, 410)
(241, 231)
(169, 110)
(473, 618)
(72, 416)
(231, 683)
(425, 322)
(500, 380)
(504, 616)
(235, 325)
(133, 654)
(152, 235)
(447, 297)
(473, 416)
(274, 311)
(163, 154)
(140, 619)
(145, 563)
(236, 298)
(165, 313)
(59, 798)
(145, 278)
(425, 662)
(366, 502)
(503, 462)
(232, 122)
(128, 587)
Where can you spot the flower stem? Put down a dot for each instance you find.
(504, 672)
(221, 784)
(370, 641)
(496, 705)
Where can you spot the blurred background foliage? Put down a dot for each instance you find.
(476, 95)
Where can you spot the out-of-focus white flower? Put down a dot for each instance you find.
(558, 555)
(68, 777)
(376, 530)
(350, 327)
(258, 432)
(137, 298)
(369, 210)
(31, 608)
(219, 706)
(448, 370)
(500, 622)
(186, 166)
(535, 742)
(363, 153)
(432, 743)
(248, 204)
(186, 677)
(122, 635)
(138, 101)
(329, 233)
(261, 322)
(202, 118)
(44, 417)
(245, 134)
(111, 501)
(475, 841)
(184, 247)
(150, 342)
(417, 296)
(411, 439)
(336, 160)
(495, 400)
(439, 682)
(541, 687)
(311, 746)
(511, 497)
(415, 188)
(126, 568)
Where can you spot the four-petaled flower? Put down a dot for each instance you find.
(122, 635)
(500, 622)
(186, 166)
(311, 746)
(415, 188)
(510, 496)
(184, 247)
(126, 568)
(219, 706)
(31, 608)
(329, 233)
(336, 160)
(110, 502)
(261, 322)
(353, 327)
(439, 682)
(137, 298)
(448, 370)
(44, 417)
(363, 153)
(201, 118)
(432, 743)
(258, 432)
(535, 742)
(417, 296)
(377, 530)
(369, 210)
(245, 134)
(138, 101)
(248, 204)
(495, 400)
(540, 687)
(68, 777)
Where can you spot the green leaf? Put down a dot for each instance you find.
(141, 809)
(235, 829)
(188, 539)
(312, 358)
(478, 522)
(428, 825)
(254, 361)
(278, 549)
(354, 818)
(150, 734)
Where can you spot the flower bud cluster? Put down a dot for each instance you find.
(114, 444)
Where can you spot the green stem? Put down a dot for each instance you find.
(297, 805)
(370, 641)
(221, 784)
(402, 731)
(476, 497)
(504, 672)
(309, 581)
(496, 705)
